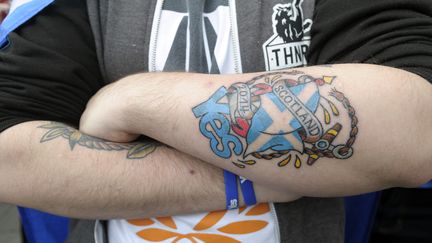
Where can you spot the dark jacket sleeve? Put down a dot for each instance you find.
(396, 33)
(49, 70)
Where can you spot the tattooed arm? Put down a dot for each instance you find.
(55, 168)
(317, 131)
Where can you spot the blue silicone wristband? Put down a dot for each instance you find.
(248, 191)
(231, 190)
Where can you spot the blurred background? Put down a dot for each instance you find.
(10, 229)
(4, 6)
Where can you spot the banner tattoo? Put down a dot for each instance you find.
(280, 117)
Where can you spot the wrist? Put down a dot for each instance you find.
(115, 103)
(151, 101)
(138, 105)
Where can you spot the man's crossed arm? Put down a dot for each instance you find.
(380, 115)
(316, 131)
(56, 168)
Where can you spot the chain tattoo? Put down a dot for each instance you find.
(283, 117)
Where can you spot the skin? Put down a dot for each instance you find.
(90, 183)
(392, 147)
(103, 184)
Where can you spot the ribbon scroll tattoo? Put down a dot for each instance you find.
(281, 117)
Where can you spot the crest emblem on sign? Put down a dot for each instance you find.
(289, 44)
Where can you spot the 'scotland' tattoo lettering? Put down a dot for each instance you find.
(135, 150)
(282, 117)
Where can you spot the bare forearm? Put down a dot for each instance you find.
(55, 168)
(386, 127)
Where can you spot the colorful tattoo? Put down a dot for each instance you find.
(136, 150)
(282, 117)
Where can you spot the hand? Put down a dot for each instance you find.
(104, 116)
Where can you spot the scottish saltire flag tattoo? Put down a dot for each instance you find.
(283, 116)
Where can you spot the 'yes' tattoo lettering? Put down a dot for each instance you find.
(282, 117)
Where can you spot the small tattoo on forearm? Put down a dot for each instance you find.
(282, 117)
(135, 150)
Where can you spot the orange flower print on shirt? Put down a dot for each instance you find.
(207, 222)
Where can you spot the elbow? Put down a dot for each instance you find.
(423, 172)
(415, 165)
(416, 180)
(14, 160)
(418, 166)
(410, 168)
(413, 173)
(14, 153)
